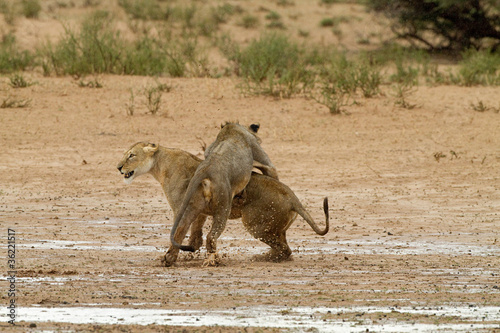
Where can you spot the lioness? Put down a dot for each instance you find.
(225, 172)
(267, 207)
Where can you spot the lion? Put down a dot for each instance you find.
(225, 172)
(267, 207)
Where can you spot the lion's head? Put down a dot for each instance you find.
(137, 160)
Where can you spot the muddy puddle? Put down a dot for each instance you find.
(301, 318)
(311, 247)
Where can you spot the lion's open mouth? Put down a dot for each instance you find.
(129, 174)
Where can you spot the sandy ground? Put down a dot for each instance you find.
(409, 231)
(414, 204)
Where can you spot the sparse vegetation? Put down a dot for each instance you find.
(130, 106)
(99, 48)
(273, 65)
(327, 22)
(145, 9)
(31, 8)
(18, 81)
(478, 68)
(94, 83)
(10, 102)
(11, 58)
(402, 91)
(275, 21)
(8, 10)
(153, 94)
(96, 48)
(249, 21)
(173, 39)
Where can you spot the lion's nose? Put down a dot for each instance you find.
(120, 168)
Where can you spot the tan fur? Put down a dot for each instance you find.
(267, 207)
(225, 172)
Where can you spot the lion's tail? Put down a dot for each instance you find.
(192, 187)
(297, 206)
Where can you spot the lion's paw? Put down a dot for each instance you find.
(212, 260)
(168, 259)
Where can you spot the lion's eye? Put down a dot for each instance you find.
(131, 156)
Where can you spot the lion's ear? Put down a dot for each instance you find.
(255, 127)
(150, 148)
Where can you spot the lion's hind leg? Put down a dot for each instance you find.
(196, 235)
(280, 251)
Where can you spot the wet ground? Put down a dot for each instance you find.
(413, 244)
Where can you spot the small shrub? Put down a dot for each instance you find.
(97, 48)
(478, 68)
(333, 98)
(222, 13)
(327, 22)
(405, 73)
(285, 3)
(13, 103)
(130, 106)
(11, 58)
(249, 21)
(479, 106)
(153, 96)
(275, 21)
(274, 66)
(187, 16)
(153, 99)
(145, 9)
(149, 56)
(340, 80)
(350, 76)
(276, 25)
(273, 16)
(18, 81)
(31, 8)
(8, 9)
(402, 90)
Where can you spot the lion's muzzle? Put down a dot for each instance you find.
(128, 174)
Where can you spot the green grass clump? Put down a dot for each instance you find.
(145, 9)
(31, 8)
(478, 68)
(327, 22)
(99, 48)
(147, 57)
(273, 65)
(249, 21)
(275, 21)
(96, 48)
(340, 80)
(11, 58)
(18, 81)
